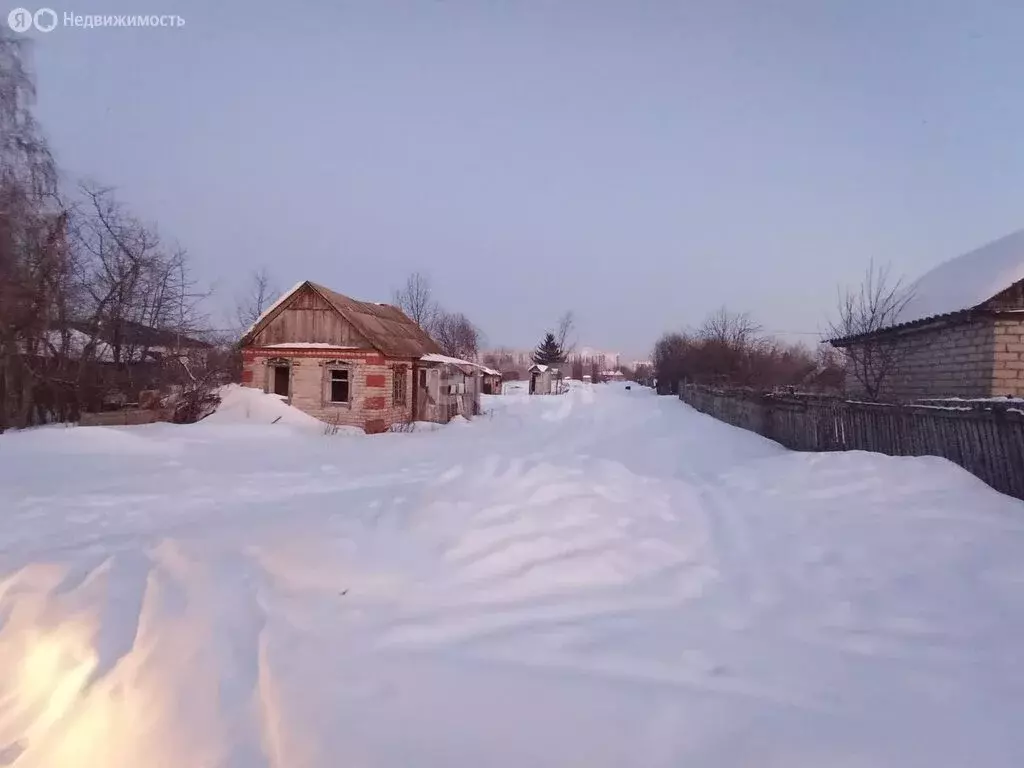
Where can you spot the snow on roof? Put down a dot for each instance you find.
(968, 280)
(307, 345)
(541, 368)
(435, 358)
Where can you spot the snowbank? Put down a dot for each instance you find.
(247, 405)
(596, 579)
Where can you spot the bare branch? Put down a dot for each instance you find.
(259, 295)
(877, 304)
(566, 332)
(416, 299)
(457, 336)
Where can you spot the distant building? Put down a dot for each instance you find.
(604, 360)
(544, 380)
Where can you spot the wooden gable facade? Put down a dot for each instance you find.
(309, 318)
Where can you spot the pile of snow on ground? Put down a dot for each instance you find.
(247, 405)
(603, 578)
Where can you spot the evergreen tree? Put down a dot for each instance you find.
(549, 352)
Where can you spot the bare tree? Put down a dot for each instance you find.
(259, 295)
(731, 329)
(26, 164)
(416, 299)
(33, 263)
(729, 350)
(877, 304)
(565, 335)
(131, 278)
(501, 360)
(85, 287)
(642, 374)
(670, 359)
(726, 349)
(456, 335)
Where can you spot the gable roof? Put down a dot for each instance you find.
(960, 285)
(387, 328)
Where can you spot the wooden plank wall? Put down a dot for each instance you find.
(986, 439)
(308, 318)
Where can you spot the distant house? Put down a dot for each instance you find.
(544, 379)
(490, 381)
(124, 342)
(450, 386)
(962, 332)
(355, 363)
(90, 366)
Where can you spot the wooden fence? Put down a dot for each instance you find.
(126, 417)
(985, 438)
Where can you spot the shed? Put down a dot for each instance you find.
(544, 379)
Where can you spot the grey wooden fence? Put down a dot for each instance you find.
(985, 438)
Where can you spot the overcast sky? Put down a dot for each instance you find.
(639, 162)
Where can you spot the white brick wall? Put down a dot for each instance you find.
(371, 379)
(983, 358)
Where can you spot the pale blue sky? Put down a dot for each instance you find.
(639, 162)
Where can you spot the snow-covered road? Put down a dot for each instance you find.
(602, 579)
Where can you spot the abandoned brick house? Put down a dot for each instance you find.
(355, 363)
(961, 333)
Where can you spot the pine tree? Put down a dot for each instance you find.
(549, 352)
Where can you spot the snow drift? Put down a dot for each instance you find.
(604, 578)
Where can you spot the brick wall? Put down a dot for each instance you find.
(1008, 371)
(370, 405)
(979, 358)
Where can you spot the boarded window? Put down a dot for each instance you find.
(338, 385)
(398, 386)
